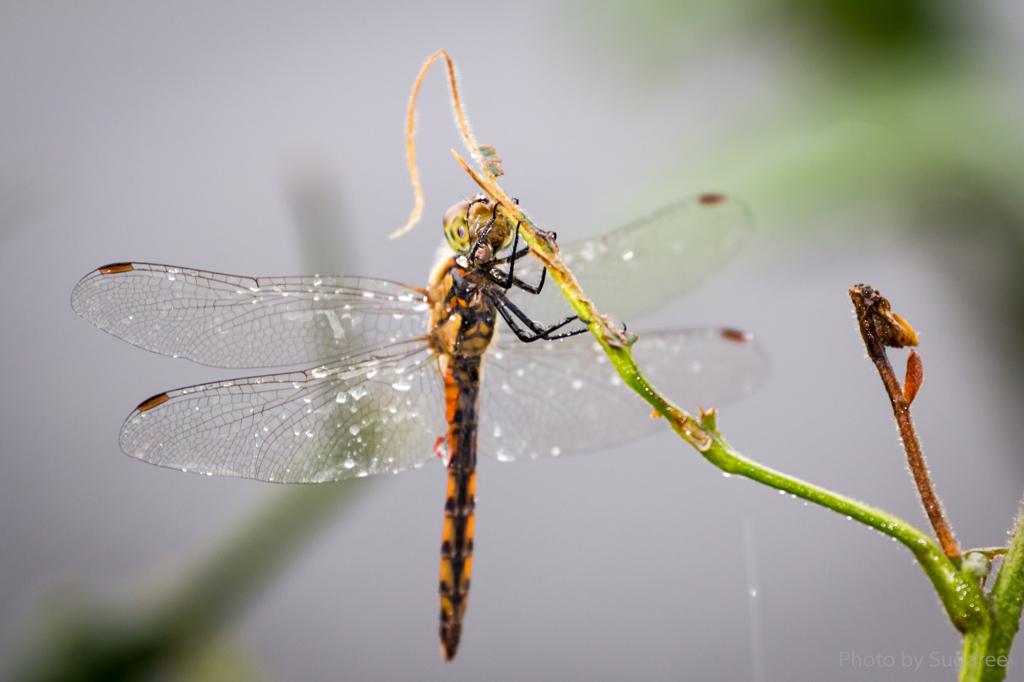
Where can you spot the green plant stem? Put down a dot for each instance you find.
(1008, 591)
(962, 598)
(986, 650)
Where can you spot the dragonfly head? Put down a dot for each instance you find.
(476, 225)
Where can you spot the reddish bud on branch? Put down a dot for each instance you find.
(914, 377)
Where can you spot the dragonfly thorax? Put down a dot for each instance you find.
(464, 315)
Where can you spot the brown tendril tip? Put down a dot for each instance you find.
(410, 137)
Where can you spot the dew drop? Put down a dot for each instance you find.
(628, 256)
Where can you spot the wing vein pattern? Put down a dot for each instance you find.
(242, 322)
(378, 413)
(633, 271)
(557, 398)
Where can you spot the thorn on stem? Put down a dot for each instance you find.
(709, 419)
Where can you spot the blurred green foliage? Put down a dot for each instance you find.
(882, 115)
(876, 25)
(179, 636)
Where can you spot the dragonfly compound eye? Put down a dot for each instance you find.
(455, 228)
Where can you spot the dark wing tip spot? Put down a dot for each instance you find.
(711, 199)
(115, 268)
(153, 402)
(736, 335)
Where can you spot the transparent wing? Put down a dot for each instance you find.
(563, 397)
(635, 270)
(229, 321)
(380, 413)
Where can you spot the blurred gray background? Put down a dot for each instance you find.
(233, 137)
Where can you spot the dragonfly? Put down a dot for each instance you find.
(387, 376)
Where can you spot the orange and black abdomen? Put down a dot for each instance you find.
(462, 397)
(462, 330)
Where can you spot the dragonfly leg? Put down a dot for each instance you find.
(533, 332)
(509, 280)
(504, 259)
(525, 286)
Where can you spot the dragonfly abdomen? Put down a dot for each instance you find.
(462, 395)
